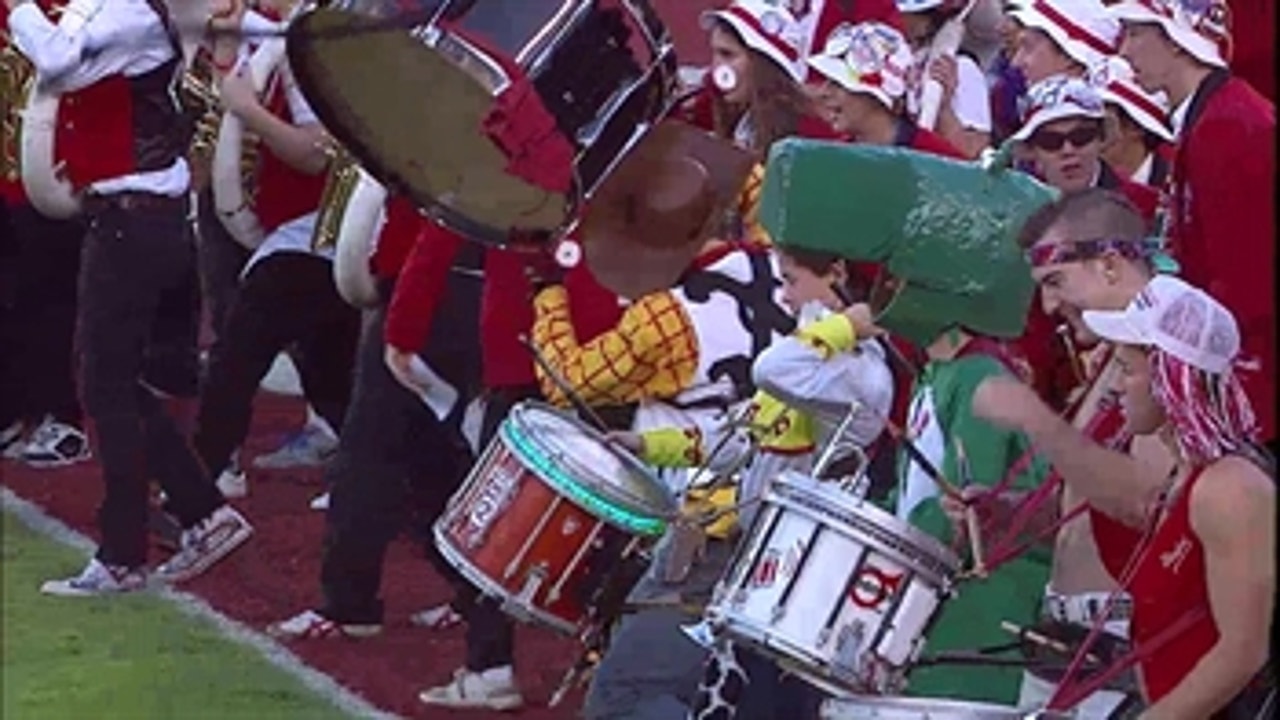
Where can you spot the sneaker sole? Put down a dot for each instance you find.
(508, 705)
(343, 632)
(55, 464)
(230, 545)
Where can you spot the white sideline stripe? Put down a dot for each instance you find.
(34, 517)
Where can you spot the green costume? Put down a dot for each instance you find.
(945, 231)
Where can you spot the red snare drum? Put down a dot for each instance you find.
(547, 514)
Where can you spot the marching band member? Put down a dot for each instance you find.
(1203, 582)
(395, 456)
(865, 69)
(1062, 37)
(487, 679)
(1139, 138)
(680, 356)
(935, 305)
(287, 294)
(806, 382)
(964, 117)
(1088, 251)
(40, 415)
(1063, 129)
(1221, 195)
(121, 138)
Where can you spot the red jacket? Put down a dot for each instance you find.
(1223, 219)
(506, 307)
(397, 237)
(1253, 29)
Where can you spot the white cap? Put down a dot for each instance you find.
(871, 58)
(918, 6)
(767, 28)
(1179, 319)
(1201, 27)
(1150, 110)
(1083, 29)
(1055, 98)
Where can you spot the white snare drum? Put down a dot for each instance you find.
(882, 708)
(834, 589)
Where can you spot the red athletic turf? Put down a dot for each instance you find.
(276, 574)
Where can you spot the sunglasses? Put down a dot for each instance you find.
(1079, 137)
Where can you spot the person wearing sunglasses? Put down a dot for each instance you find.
(1063, 132)
(1221, 198)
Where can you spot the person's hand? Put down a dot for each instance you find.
(629, 441)
(863, 321)
(236, 93)
(946, 72)
(225, 16)
(1007, 402)
(399, 363)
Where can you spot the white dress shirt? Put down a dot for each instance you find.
(94, 40)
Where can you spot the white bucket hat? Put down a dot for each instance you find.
(1200, 27)
(871, 58)
(767, 28)
(1055, 98)
(1083, 29)
(1149, 110)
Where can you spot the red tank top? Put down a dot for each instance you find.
(1169, 582)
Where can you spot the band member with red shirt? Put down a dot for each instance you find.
(287, 294)
(40, 415)
(1221, 198)
(487, 679)
(121, 137)
(1203, 579)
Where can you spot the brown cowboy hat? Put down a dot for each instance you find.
(656, 210)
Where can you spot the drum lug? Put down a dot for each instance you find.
(775, 616)
(824, 637)
(533, 579)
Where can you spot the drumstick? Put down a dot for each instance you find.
(563, 386)
(970, 512)
(1044, 640)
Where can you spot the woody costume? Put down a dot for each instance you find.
(960, 287)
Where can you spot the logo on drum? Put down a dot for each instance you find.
(872, 586)
(491, 501)
(775, 565)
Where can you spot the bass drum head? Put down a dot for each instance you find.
(413, 119)
(900, 708)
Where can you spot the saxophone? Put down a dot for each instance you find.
(351, 215)
(200, 98)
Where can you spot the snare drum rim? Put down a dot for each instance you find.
(953, 708)
(654, 520)
(795, 659)
(859, 511)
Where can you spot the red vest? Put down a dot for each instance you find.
(284, 192)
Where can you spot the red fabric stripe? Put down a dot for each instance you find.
(1073, 31)
(754, 23)
(1143, 103)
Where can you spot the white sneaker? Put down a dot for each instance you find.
(493, 689)
(205, 543)
(98, 578)
(54, 444)
(309, 447)
(320, 502)
(440, 617)
(311, 625)
(233, 483)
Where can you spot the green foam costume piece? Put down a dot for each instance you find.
(946, 229)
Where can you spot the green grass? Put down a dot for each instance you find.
(132, 657)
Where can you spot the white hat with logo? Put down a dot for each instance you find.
(1149, 110)
(1083, 29)
(1058, 97)
(871, 58)
(767, 27)
(1201, 27)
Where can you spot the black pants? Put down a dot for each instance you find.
(395, 459)
(287, 298)
(41, 263)
(131, 260)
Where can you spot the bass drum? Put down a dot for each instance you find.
(492, 116)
